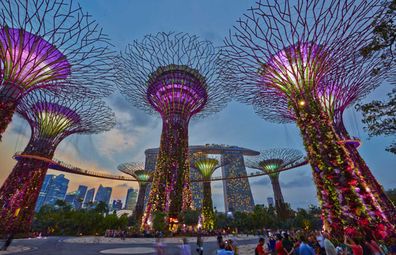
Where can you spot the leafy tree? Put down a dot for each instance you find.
(222, 221)
(159, 223)
(378, 116)
(265, 217)
(391, 194)
(385, 33)
(61, 220)
(190, 217)
(102, 207)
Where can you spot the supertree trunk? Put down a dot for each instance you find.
(367, 177)
(207, 208)
(279, 201)
(20, 191)
(139, 208)
(170, 191)
(8, 103)
(341, 191)
(7, 110)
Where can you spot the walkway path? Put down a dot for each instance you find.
(104, 246)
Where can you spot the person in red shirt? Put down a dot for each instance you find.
(260, 248)
(357, 249)
(279, 246)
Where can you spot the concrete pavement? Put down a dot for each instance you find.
(143, 246)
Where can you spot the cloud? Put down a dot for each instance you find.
(262, 181)
(301, 182)
(113, 142)
(20, 128)
(123, 185)
(126, 113)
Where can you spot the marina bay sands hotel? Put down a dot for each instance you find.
(237, 192)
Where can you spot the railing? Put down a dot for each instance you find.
(68, 168)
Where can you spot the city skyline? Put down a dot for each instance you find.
(136, 131)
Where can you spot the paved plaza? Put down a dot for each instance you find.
(102, 245)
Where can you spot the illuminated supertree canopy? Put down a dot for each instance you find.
(339, 91)
(51, 119)
(176, 76)
(143, 176)
(50, 45)
(206, 167)
(285, 52)
(271, 162)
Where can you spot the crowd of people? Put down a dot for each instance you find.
(320, 243)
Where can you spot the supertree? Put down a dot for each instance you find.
(50, 45)
(51, 120)
(175, 75)
(143, 177)
(206, 167)
(341, 90)
(283, 51)
(271, 162)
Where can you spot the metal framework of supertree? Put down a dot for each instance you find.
(52, 119)
(341, 90)
(281, 51)
(271, 161)
(137, 170)
(206, 167)
(50, 45)
(175, 75)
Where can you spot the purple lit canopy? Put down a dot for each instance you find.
(179, 74)
(44, 41)
(29, 59)
(177, 89)
(54, 117)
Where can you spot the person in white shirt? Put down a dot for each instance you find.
(328, 245)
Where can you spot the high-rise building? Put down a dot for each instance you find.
(237, 194)
(117, 205)
(270, 201)
(89, 198)
(57, 189)
(70, 199)
(103, 194)
(43, 192)
(81, 191)
(53, 189)
(131, 198)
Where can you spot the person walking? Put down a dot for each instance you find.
(260, 248)
(199, 244)
(304, 248)
(219, 238)
(279, 246)
(159, 246)
(357, 249)
(328, 245)
(185, 248)
(7, 242)
(222, 250)
(287, 244)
